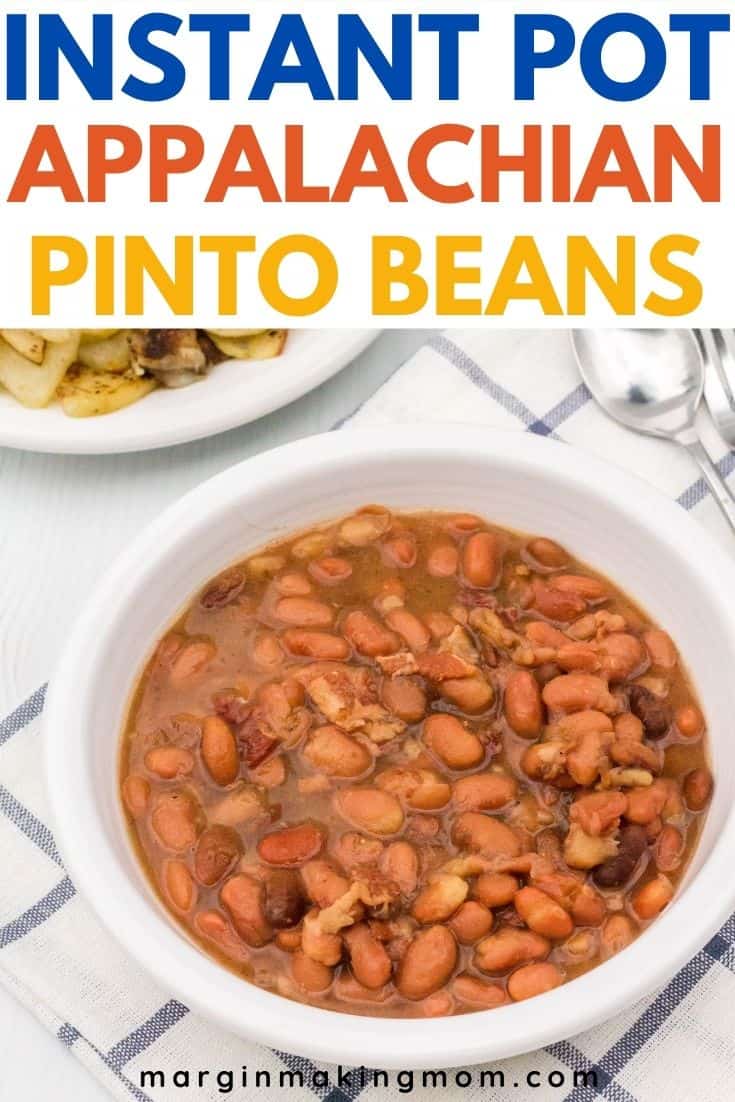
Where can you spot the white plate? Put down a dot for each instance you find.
(234, 393)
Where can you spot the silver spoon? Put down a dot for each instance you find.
(651, 381)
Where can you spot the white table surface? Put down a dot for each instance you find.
(62, 519)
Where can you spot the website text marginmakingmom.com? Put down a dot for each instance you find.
(355, 1080)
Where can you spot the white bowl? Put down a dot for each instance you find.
(645, 542)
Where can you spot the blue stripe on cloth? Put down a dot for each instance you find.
(38, 913)
(471, 370)
(29, 710)
(699, 489)
(145, 1035)
(29, 825)
(68, 1035)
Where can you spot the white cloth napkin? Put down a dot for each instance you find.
(57, 960)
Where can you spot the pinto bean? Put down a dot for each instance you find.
(669, 849)
(242, 898)
(661, 649)
(484, 835)
(271, 773)
(333, 752)
(533, 979)
(243, 804)
(317, 944)
(304, 612)
(646, 804)
(495, 889)
(589, 589)
(370, 809)
(578, 658)
(427, 964)
(405, 698)
(470, 694)
(365, 527)
(470, 922)
(541, 634)
(168, 762)
(284, 903)
(478, 993)
(217, 851)
(547, 553)
(355, 851)
(330, 570)
(588, 907)
(650, 899)
(689, 721)
(597, 812)
(291, 846)
(442, 560)
(179, 885)
(191, 660)
(542, 914)
(509, 947)
(368, 635)
(319, 645)
(652, 712)
(136, 793)
(698, 789)
(622, 655)
(294, 584)
(522, 704)
(312, 544)
(440, 899)
(578, 692)
(289, 940)
(617, 934)
(266, 652)
(174, 820)
(451, 742)
(440, 624)
(214, 926)
(422, 789)
(484, 791)
(628, 727)
(400, 863)
(371, 965)
(415, 633)
(310, 975)
(555, 604)
(617, 871)
(219, 751)
(481, 559)
(462, 523)
(400, 551)
(323, 884)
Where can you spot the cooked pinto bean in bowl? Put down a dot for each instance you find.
(414, 765)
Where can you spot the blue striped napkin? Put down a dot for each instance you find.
(678, 1044)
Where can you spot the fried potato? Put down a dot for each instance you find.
(29, 344)
(34, 385)
(91, 336)
(264, 345)
(89, 393)
(106, 354)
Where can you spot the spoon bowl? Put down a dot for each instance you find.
(652, 381)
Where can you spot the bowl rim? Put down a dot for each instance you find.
(269, 1019)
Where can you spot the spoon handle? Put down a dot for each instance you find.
(720, 490)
